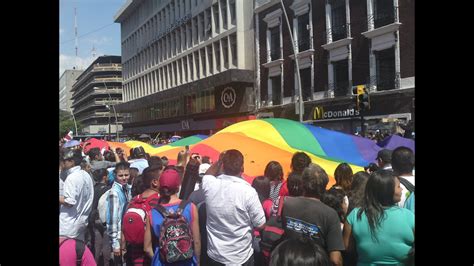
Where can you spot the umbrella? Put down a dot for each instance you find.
(71, 143)
(95, 143)
(144, 136)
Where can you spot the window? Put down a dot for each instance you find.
(209, 59)
(232, 11)
(191, 67)
(202, 32)
(275, 43)
(233, 49)
(217, 53)
(303, 32)
(385, 69)
(275, 93)
(224, 13)
(198, 69)
(341, 77)
(338, 20)
(225, 52)
(208, 24)
(195, 31)
(178, 40)
(175, 70)
(203, 61)
(384, 13)
(215, 9)
(305, 75)
(183, 37)
(189, 34)
(185, 66)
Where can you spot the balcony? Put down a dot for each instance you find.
(383, 18)
(385, 82)
(99, 68)
(340, 89)
(96, 80)
(338, 32)
(95, 93)
(95, 103)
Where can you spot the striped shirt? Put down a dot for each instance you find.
(116, 202)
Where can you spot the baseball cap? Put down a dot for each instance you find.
(203, 168)
(385, 155)
(170, 178)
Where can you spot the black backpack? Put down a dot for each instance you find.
(407, 184)
(80, 248)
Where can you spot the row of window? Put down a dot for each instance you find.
(194, 103)
(173, 32)
(386, 79)
(212, 59)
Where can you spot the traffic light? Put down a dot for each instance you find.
(362, 100)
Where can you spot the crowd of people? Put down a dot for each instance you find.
(139, 210)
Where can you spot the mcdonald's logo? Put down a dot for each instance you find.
(318, 113)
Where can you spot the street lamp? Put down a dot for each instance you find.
(300, 94)
(115, 113)
(108, 107)
(73, 119)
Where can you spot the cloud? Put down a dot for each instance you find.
(61, 31)
(70, 61)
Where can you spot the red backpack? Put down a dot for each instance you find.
(176, 241)
(134, 219)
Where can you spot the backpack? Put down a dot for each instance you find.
(407, 184)
(94, 214)
(102, 207)
(80, 248)
(134, 219)
(175, 242)
(272, 232)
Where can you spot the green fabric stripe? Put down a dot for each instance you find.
(186, 141)
(299, 137)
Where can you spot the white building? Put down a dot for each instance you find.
(67, 79)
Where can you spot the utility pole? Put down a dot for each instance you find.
(300, 94)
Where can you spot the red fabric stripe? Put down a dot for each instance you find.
(273, 229)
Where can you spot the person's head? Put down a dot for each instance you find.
(294, 184)
(233, 163)
(334, 198)
(315, 180)
(384, 157)
(95, 155)
(151, 177)
(206, 159)
(299, 162)
(86, 166)
(356, 195)
(134, 172)
(170, 180)
(262, 186)
(299, 252)
(403, 161)
(109, 156)
(138, 186)
(164, 160)
(138, 152)
(155, 160)
(100, 175)
(122, 172)
(274, 171)
(71, 158)
(382, 190)
(372, 167)
(343, 175)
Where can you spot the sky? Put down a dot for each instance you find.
(96, 28)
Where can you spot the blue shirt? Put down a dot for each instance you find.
(116, 202)
(395, 237)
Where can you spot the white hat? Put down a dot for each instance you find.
(203, 168)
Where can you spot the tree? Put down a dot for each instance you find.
(66, 123)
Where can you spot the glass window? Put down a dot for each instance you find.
(203, 62)
(303, 32)
(191, 67)
(217, 54)
(208, 24)
(275, 43)
(195, 31)
(224, 13)
(341, 77)
(198, 69)
(185, 66)
(209, 59)
(233, 49)
(202, 32)
(215, 9)
(338, 20)
(305, 75)
(275, 92)
(384, 13)
(232, 11)
(225, 52)
(385, 69)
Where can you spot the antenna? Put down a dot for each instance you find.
(75, 29)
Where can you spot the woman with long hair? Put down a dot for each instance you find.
(383, 233)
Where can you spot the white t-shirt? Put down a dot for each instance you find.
(405, 192)
(78, 191)
(233, 210)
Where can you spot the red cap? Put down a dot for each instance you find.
(170, 178)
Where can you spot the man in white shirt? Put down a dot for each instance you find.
(384, 159)
(403, 161)
(233, 210)
(76, 201)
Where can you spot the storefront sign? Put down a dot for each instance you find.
(184, 124)
(318, 113)
(228, 97)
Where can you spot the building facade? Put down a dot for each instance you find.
(340, 44)
(66, 81)
(96, 93)
(188, 64)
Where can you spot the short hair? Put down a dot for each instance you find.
(93, 153)
(403, 160)
(274, 171)
(134, 172)
(109, 156)
(294, 184)
(315, 180)
(233, 162)
(138, 187)
(99, 174)
(206, 159)
(155, 160)
(72, 155)
(138, 152)
(299, 162)
(299, 252)
(262, 186)
(121, 166)
(150, 173)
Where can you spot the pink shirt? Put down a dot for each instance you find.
(67, 255)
